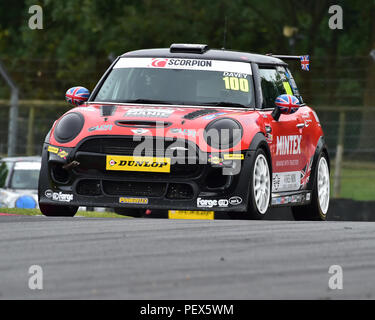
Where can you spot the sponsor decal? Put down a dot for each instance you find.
(58, 196)
(213, 116)
(235, 74)
(140, 131)
(59, 152)
(53, 149)
(215, 160)
(190, 63)
(206, 203)
(130, 163)
(306, 172)
(62, 154)
(234, 156)
(159, 62)
(210, 203)
(223, 203)
(286, 181)
(133, 200)
(186, 132)
(103, 127)
(233, 67)
(149, 113)
(235, 200)
(288, 145)
(296, 198)
(287, 162)
(178, 214)
(48, 193)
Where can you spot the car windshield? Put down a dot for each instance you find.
(25, 176)
(179, 81)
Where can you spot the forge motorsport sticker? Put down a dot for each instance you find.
(149, 113)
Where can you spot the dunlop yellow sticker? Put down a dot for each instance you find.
(234, 156)
(196, 215)
(133, 200)
(53, 149)
(130, 163)
(287, 88)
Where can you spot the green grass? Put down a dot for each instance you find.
(357, 181)
(35, 212)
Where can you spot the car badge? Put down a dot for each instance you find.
(140, 131)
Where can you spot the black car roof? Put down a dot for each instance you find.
(211, 54)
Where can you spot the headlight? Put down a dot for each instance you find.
(68, 127)
(223, 133)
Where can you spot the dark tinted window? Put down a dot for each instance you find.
(272, 83)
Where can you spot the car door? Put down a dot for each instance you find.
(285, 136)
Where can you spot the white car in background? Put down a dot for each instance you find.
(19, 182)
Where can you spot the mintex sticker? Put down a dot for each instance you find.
(187, 64)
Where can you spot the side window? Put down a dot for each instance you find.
(273, 85)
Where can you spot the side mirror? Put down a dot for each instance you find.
(77, 95)
(285, 104)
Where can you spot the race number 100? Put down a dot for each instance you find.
(233, 83)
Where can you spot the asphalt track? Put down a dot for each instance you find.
(92, 258)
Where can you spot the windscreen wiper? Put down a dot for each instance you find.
(224, 104)
(151, 101)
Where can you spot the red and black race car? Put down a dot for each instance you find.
(190, 130)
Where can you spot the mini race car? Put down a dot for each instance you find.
(190, 130)
(19, 182)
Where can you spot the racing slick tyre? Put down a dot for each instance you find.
(259, 189)
(51, 210)
(318, 208)
(135, 213)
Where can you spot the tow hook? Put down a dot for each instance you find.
(71, 165)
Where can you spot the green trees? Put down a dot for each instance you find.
(80, 37)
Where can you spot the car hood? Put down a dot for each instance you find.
(151, 120)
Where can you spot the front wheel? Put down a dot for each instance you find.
(51, 210)
(260, 187)
(318, 208)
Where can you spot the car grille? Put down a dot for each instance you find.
(126, 146)
(173, 191)
(133, 188)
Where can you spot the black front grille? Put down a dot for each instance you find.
(133, 188)
(89, 188)
(146, 147)
(175, 191)
(180, 191)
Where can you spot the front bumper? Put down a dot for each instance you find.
(86, 182)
